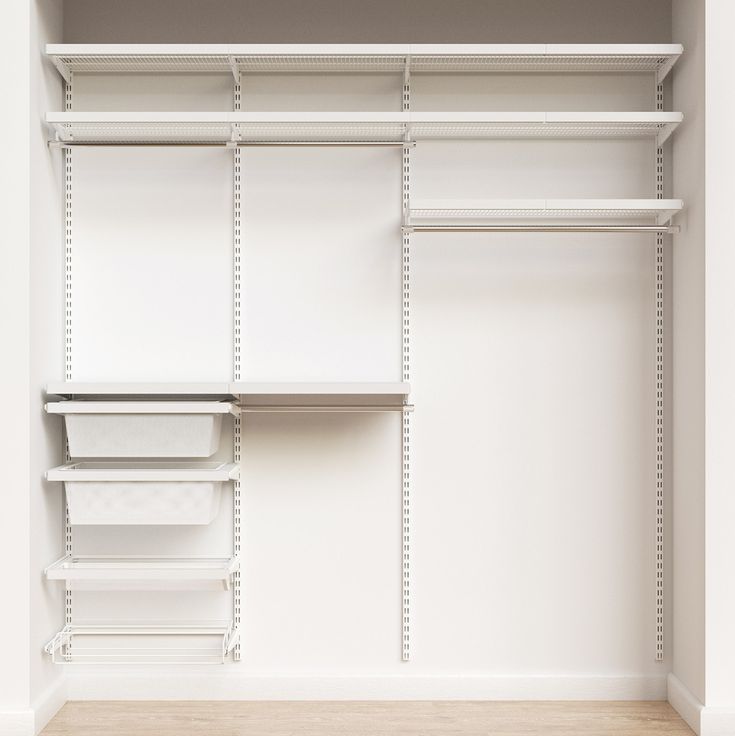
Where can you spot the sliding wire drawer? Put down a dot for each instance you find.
(142, 428)
(143, 492)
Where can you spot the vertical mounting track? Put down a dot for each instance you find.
(406, 372)
(659, 399)
(67, 160)
(237, 365)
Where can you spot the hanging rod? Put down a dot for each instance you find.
(225, 144)
(661, 229)
(272, 409)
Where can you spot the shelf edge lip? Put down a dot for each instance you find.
(117, 472)
(139, 407)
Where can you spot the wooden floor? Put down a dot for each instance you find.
(449, 718)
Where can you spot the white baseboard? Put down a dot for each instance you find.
(17, 722)
(148, 685)
(48, 704)
(704, 720)
(684, 703)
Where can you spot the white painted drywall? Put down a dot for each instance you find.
(15, 40)
(688, 354)
(532, 370)
(720, 368)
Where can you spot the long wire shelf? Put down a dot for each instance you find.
(154, 642)
(359, 58)
(138, 572)
(233, 129)
(621, 215)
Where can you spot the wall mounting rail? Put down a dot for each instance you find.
(154, 642)
(377, 128)
(389, 58)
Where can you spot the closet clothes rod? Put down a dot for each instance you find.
(334, 408)
(656, 229)
(227, 144)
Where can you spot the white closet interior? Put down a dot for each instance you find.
(358, 285)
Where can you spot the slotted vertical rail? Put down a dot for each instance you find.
(237, 368)
(406, 373)
(67, 163)
(659, 400)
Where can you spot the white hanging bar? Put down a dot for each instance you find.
(425, 58)
(380, 128)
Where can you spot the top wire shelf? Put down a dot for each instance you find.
(361, 58)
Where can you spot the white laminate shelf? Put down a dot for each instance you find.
(273, 396)
(438, 214)
(108, 572)
(238, 128)
(326, 58)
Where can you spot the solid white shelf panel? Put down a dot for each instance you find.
(231, 128)
(154, 642)
(263, 58)
(85, 572)
(336, 396)
(427, 212)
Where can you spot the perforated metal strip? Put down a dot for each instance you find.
(237, 370)
(659, 401)
(68, 161)
(406, 372)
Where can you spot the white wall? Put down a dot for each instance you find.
(720, 368)
(46, 363)
(688, 355)
(532, 370)
(15, 41)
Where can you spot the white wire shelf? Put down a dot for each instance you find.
(156, 642)
(438, 215)
(324, 58)
(113, 572)
(90, 128)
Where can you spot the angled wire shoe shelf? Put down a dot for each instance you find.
(132, 419)
(144, 642)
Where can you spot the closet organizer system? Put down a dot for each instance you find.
(128, 424)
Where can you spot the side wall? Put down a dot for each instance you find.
(15, 40)
(688, 355)
(46, 362)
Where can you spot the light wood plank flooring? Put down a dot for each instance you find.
(428, 718)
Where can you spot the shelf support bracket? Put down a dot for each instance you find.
(235, 69)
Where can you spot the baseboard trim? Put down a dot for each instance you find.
(17, 722)
(48, 704)
(148, 685)
(684, 703)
